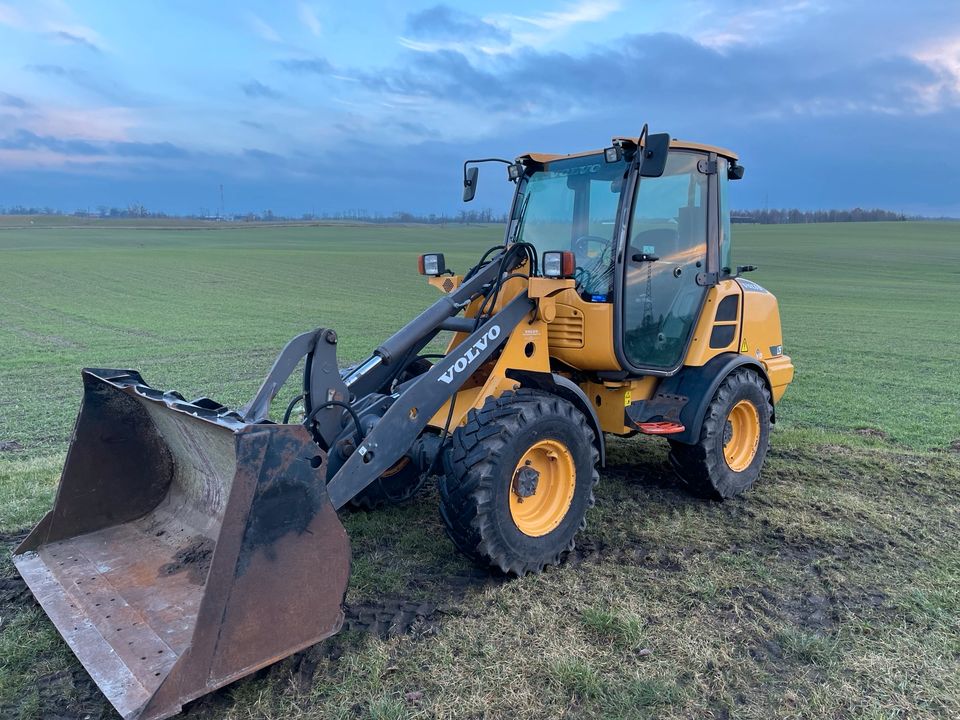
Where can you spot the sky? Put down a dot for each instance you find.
(327, 106)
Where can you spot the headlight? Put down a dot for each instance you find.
(432, 264)
(559, 264)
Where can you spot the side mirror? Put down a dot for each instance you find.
(654, 159)
(734, 171)
(470, 183)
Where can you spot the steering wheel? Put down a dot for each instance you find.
(581, 246)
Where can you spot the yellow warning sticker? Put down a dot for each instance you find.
(743, 345)
(627, 398)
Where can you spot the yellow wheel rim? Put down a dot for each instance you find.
(555, 480)
(741, 436)
(396, 467)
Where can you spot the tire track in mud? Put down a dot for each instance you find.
(71, 695)
(407, 615)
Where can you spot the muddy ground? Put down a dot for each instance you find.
(829, 590)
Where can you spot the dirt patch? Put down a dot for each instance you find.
(396, 617)
(954, 446)
(15, 537)
(14, 593)
(626, 553)
(871, 432)
(193, 559)
(65, 695)
(10, 446)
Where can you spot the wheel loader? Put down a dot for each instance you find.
(191, 544)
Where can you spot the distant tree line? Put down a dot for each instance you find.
(486, 215)
(784, 216)
(781, 216)
(134, 210)
(137, 210)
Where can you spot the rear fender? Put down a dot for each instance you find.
(700, 384)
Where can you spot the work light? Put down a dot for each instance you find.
(613, 154)
(515, 171)
(559, 264)
(432, 264)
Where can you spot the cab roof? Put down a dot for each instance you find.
(678, 144)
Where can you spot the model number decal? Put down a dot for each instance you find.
(751, 286)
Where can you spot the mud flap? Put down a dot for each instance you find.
(186, 548)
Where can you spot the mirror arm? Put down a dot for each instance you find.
(470, 181)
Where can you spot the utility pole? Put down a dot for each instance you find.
(220, 214)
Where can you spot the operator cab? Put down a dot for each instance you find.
(653, 256)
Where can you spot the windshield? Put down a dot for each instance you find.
(571, 204)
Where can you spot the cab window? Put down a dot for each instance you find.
(667, 248)
(571, 204)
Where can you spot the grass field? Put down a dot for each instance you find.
(830, 590)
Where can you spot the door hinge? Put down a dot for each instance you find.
(708, 278)
(707, 167)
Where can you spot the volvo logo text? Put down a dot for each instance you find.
(464, 361)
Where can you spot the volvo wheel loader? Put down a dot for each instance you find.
(191, 544)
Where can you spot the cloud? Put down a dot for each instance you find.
(12, 101)
(681, 75)
(753, 21)
(103, 87)
(559, 20)
(263, 156)
(154, 150)
(10, 16)
(312, 66)
(77, 40)
(443, 23)
(262, 28)
(813, 74)
(256, 89)
(25, 140)
(309, 18)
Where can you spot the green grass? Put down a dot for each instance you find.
(829, 590)
(870, 312)
(871, 317)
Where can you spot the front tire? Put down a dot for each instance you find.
(520, 481)
(727, 458)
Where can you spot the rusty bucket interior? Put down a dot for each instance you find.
(185, 548)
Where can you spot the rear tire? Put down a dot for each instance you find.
(401, 482)
(396, 485)
(520, 480)
(727, 458)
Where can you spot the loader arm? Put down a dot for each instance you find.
(409, 414)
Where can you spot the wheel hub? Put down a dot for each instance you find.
(525, 482)
(542, 487)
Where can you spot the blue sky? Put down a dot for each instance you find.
(329, 106)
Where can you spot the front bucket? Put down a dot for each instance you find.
(185, 548)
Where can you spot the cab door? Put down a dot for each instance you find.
(666, 249)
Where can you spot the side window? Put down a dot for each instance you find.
(725, 261)
(668, 247)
